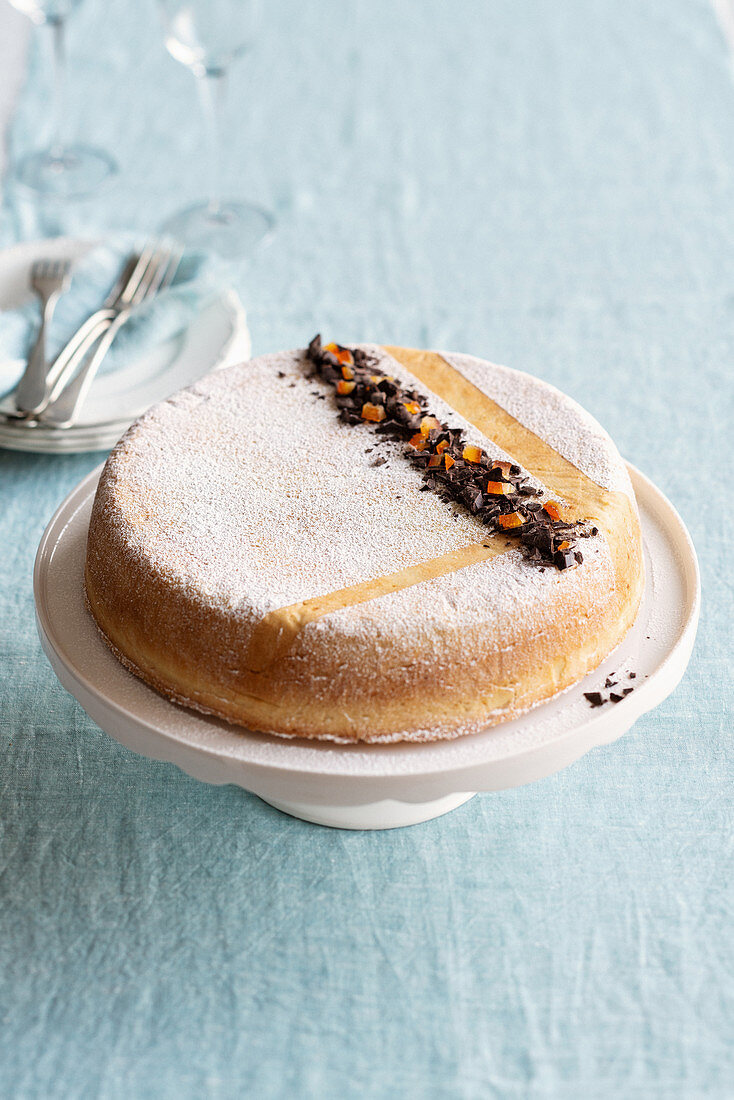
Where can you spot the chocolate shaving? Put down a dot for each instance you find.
(595, 698)
(598, 699)
(472, 480)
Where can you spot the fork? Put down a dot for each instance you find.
(155, 271)
(65, 366)
(49, 279)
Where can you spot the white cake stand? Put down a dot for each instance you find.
(370, 786)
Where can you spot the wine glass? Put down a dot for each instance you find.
(61, 170)
(207, 36)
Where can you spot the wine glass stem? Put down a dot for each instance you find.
(57, 26)
(211, 84)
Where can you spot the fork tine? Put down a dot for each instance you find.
(153, 275)
(123, 278)
(176, 257)
(165, 273)
(50, 269)
(129, 292)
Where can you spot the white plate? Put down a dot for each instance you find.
(369, 786)
(218, 337)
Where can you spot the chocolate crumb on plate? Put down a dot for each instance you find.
(594, 698)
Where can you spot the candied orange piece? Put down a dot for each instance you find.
(373, 412)
(498, 488)
(347, 373)
(503, 467)
(412, 407)
(448, 461)
(418, 441)
(553, 508)
(343, 355)
(434, 460)
(428, 424)
(442, 446)
(345, 387)
(472, 453)
(564, 545)
(514, 519)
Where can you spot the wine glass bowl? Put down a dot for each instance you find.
(202, 46)
(45, 11)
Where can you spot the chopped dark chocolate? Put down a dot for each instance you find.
(594, 698)
(597, 698)
(493, 490)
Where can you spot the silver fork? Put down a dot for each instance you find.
(156, 269)
(65, 366)
(49, 279)
(66, 362)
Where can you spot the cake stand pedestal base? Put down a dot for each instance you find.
(387, 814)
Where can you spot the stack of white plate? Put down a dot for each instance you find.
(218, 337)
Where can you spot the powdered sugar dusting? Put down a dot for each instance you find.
(257, 497)
(551, 415)
(497, 594)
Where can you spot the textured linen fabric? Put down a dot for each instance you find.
(546, 185)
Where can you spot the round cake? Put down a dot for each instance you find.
(364, 544)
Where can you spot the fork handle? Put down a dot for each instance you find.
(30, 395)
(62, 412)
(66, 362)
(50, 381)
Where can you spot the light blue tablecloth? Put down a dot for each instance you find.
(549, 185)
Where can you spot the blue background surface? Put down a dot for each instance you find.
(546, 185)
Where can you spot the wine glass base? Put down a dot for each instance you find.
(70, 172)
(229, 229)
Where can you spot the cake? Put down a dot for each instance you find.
(364, 544)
